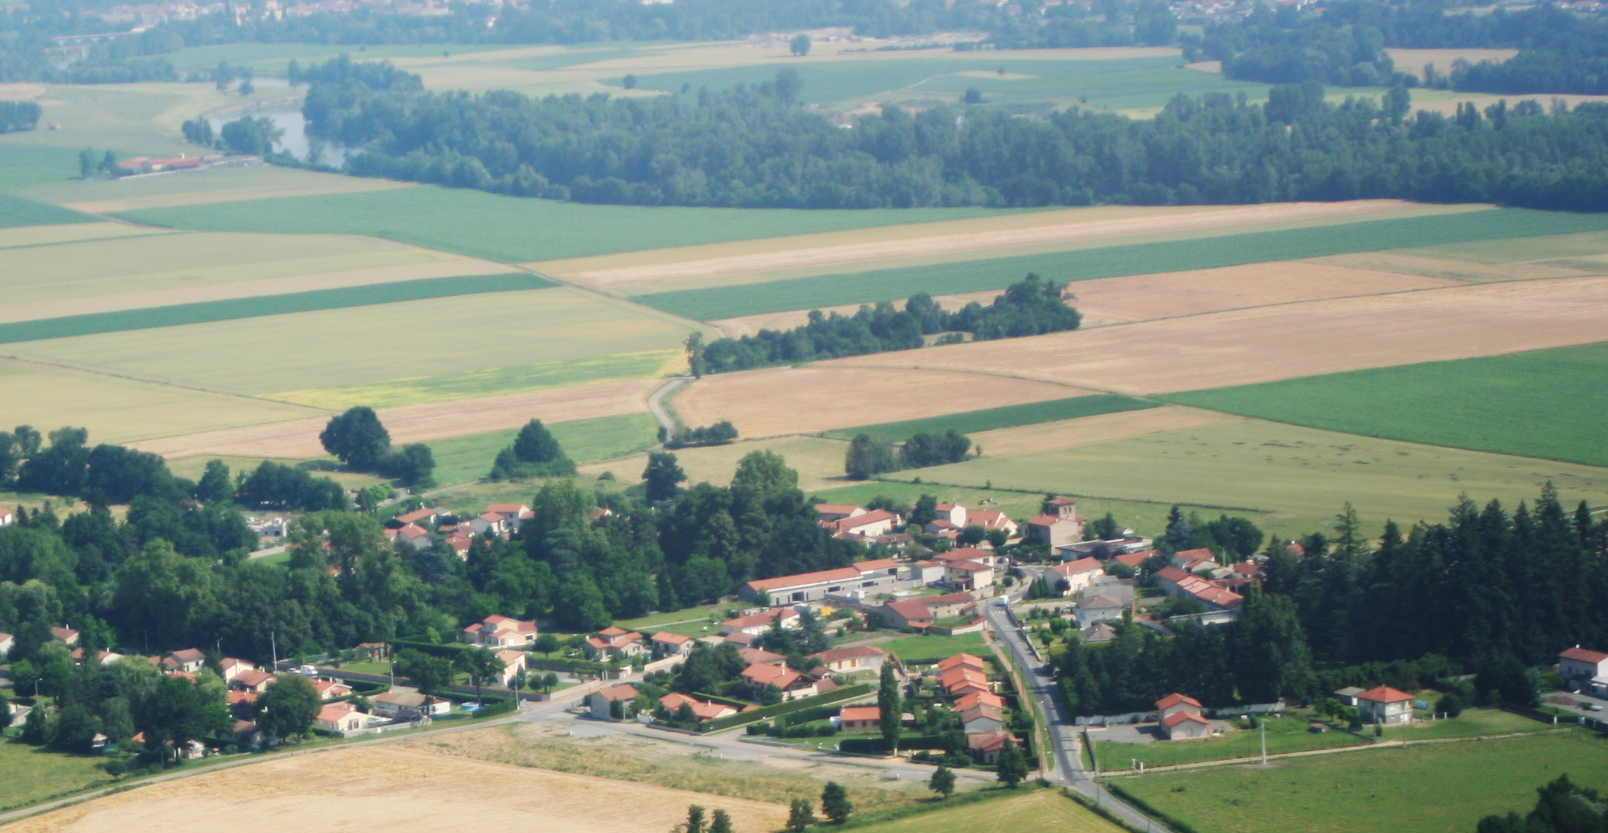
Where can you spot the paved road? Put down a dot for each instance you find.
(1064, 739)
(658, 404)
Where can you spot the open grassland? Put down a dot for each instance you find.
(55, 235)
(1300, 476)
(376, 788)
(468, 458)
(1088, 430)
(492, 381)
(1443, 788)
(117, 409)
(1548, 403)
(990, 419)
(1115, 261)
(514, 229)
(38, 774)
(23, 165)
(929, 649)
(113, 275)
(298, 438)
(819, 462)
(1264, 344)
(211, 185)
(1024, 810)
(318, 300)
(131, 119)
(807, 400)
(369, 345)
(16, 212)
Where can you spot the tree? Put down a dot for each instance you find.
(973, 96)
(357, 438)
(535, 453)
(86, 163)
(695, 360)
(413, 466)
(481, 665)
(695, 820)
(1012, 765)
(546, 643)
(427, 672)
(216, 485)
(835, 803)
(177, 711)
(28, 439)
(942, 781)
(662, 476)
(75, 729)
(800, 815)
(5, 712)
(629, 81)
(288, 708)
(720, 823)
(36, 729)
(800, 45)
(867, 458)
(888, 706)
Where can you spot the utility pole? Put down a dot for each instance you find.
(1262, 724)
(273, 645)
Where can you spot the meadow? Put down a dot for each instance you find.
(16, 212)
(273, 59)
(25, 165)
(1284, 734)
(1026, 809)
(233, 183)
(990, 419)
(146, 318)
(1497, 403)
(468, 458)
(930, 649)
(130, 119)
(715, 303)
(414, 390)
(1444, 788)
(49, 773)
(513, 229)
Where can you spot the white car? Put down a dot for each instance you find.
(305, 671)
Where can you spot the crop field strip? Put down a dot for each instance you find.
(266, 305)
(16, 212)
(1140, 259)
(989, 419)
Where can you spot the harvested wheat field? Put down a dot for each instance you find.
(807, 400)
(1076, 433)
(1281, 342)
(398, 787)
(819, 462)
(1412, 61)
(204, 187)
(751, 324)
(1434, 265)
(1014, 234)
(418, 423)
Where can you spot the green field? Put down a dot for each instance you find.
(233, 309)
(929, 649)
(1439, 788)
(15, 212)
(1010, 416)
(468, 458)
(485, 382)
(24, 165)
(1122, 84)
(513, 229)
(1022, 812)
(716, 303)
(1547, 403)
(274, 58)
(48, 774)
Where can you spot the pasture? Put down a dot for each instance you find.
(491, 381)
(819, 462)
(467, 458)
(990, 419)
(1443, 788)
(49, 773)
(16, 212)
(930, 649)
(514, 229)
(715, 303)
(1025, 809)
(130, 119)
(1547, 403)
(23, 165)
(1299, 476)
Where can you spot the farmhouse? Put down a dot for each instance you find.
(859, 718)
(919, 613)
(342, 719)
(1583, 668)
(1078, 574)
(756, 624)
(498, 631)
(613, 703)
(852, 658)
(667, 644)
(702, 710)
(614, 643)
(186, 660)
(1383, 704)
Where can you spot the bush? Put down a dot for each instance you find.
(1449, 704)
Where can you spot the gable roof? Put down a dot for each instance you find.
(1099, 600)
(1385, 694)
(969, 566)
(1579, 654)
(333, 712)
(798, 580)
(1078, 567)
(776, 675)
(832, 655)
(979, 698)
(1135, 559)
(961, 660)
(1198, 555)
(760, 656)
(836, 508)
(619, 692)
(701, 709)
(1176, 718)
(875, 516)
(764, 618)
(988, 741)
(671, 638)
(1175, 699)
(860, 713)
(876, 564)
(965, 554)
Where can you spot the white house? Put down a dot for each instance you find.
(601, 703)
(496, 631)
(1583, 668)
(1383, 704)
(1078, 574)
(343, 718)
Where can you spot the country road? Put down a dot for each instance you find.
(658, 403)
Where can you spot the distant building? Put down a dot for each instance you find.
(497, 631)
(1583, 668)
(1386, 705)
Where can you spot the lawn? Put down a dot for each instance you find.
(929, 649)
(515, 229)
(1471, 723)
(685, 616)
(204, 312)
(1300, 477)
(1025, 810)
(15, 212)
(48, 774)
(1497, 403)
(1441, 788)
(716, 303)
(1011, 416)
(469, 458)
(1287, 734)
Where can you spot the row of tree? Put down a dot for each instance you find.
(359, 440)
(867, 457)
(717, 433)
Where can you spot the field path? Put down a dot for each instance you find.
(659, 403)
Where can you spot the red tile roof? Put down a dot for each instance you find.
(961, 661)
(1579, 654)
(1078, 567)
(1179, 717)
(979, 698)
(1175, 699)
(701, 709)
(988, 741)
(835, 508)
(876, 564)
(1135, 559)
(756, 619)
(968, 566)
(819, 577)
(1197, 555)
(619, 692)
(859, 713)
(965, 554)
(670, 638)
(1384, 694)
(832, 655)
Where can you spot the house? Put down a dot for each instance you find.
(756, 624)
(1180, 583)
(7, 642)
(968, 575)
(951, 515)
(1348, 695)
(497, 631)
(1176, 703)
(1192, 560)
(230, 667)
(1583, 668)
(426, 517)
(1098, 608)
(851, 659)
(253, 680)
(1134, 560)
(614, 643)
(459, 543)
(667, 644)
(962, 661)
(616, 702)
(342, 719)
(65, 635)
(991, 520)
(919, 613)
(702, 711)
(1078, 574)
(868, 525)
(401, 704)
(987, 746)
(413, 535)
(1058, 525)
(982, 717)
(790, 683)
(859, 718)
(186, 660)
(981, 556)
(489, 524)
(513, 665)
(958, 682)
(1098, 634)
(1185, 726)
(760, 656)
(979, 698)
(331, 689)
(513, 515)
(831, 512)
(1383, 704)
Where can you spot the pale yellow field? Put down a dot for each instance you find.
(1412, 61)
(1015, 234)
(68, 233)
(398, 787)
(212, 185)
(1028, 440)
(149, 271)
(368, 345)
(118, 409)
(1408, 262)
(819, 462)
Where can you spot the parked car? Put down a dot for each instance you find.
(305, 671)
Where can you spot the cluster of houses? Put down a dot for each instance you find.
(963, 678)
(1057, 526)
(421, 528)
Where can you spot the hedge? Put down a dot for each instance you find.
(569, 664)
(446, 649)
(788, 707)
(878, 746)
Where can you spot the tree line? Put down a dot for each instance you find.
(1031, 306)
(18, 116)
(867, 457)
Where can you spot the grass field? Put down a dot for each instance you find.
(990, 419)
(130, 119)
(206, 312)
(1299, 476)
(274, 58)
(1026, 809)
(487, 382)
(1547, 403)
(15, 212)
(716, 303)
(227, 184)
(24, 164)
(664, 621)
(468, 458)
(1286, 734)
(930, 649)
(1443, 788)
(48, 773)
(513, 229)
